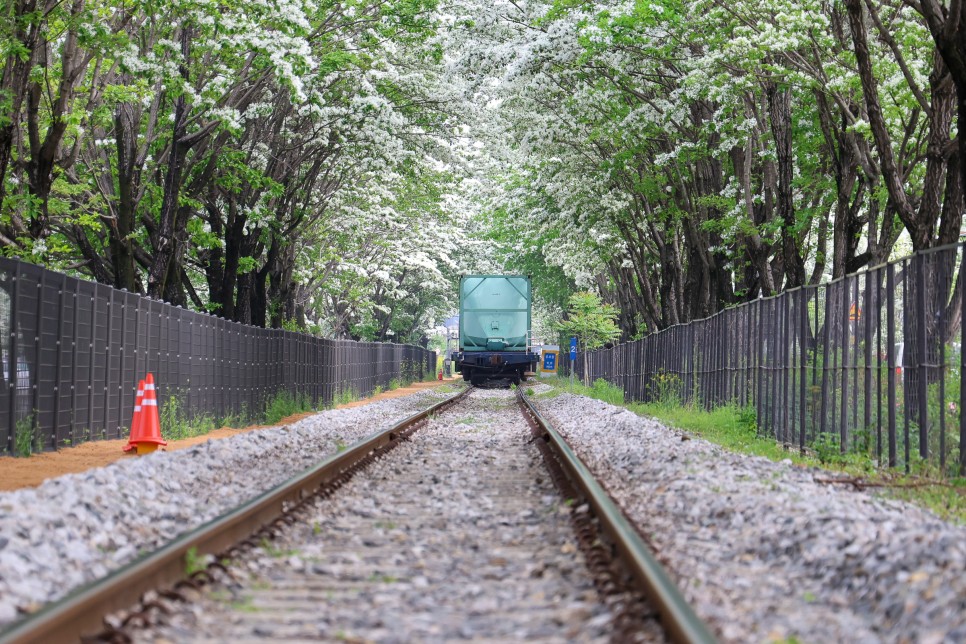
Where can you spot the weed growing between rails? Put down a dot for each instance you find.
(735, 428)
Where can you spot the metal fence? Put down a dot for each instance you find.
(870, 363)
(72, 352)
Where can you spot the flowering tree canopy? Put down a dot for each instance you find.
(335, 166)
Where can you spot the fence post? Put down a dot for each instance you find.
(35, 376)
(107, 361)
(962, 370)
(891, 348)
(73, 366)
(788, 372)
(867, 319)
(803, 366)
(843, 411)
(826, 340)
(923, 354)
(58, 362)
(12, 356)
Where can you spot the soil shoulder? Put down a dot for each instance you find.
(17, 473)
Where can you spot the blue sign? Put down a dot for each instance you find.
(573, 348)
(549, 361)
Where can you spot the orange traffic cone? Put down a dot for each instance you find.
(136, 419)
(149, 429)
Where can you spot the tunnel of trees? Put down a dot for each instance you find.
(335, 166)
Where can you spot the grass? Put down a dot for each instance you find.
(286, 404)
(26, 438)
(176, 424)
(345, 397)
(735, 428)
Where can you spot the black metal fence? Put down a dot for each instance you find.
(870, 363)
(72, 352)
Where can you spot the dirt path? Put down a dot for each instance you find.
(16, 473)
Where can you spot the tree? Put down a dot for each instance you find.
(686, 155)
(269, 163)
(592, 322)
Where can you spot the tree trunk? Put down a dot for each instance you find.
(13, 84)
(165, 251)
(121, 229)
(780, 108)
(948, 28)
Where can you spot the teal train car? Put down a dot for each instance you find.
(494, 329)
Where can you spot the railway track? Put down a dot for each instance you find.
(441, 540)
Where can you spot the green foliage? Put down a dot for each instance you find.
(314, 154)
(27, 438)
(664, 390)
(285, 404)
(237, 420)
(592, 321)
(346, 396)
(827, 449)
(603, 390)
(293, 325)
(176, 424)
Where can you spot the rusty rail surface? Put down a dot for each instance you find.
(81, 613)
(677, 617)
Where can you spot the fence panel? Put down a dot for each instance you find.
(867, 364)
(72, 351)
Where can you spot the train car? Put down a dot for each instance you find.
(494, 329)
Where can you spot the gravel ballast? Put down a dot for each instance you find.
(455, 534)
(762, 550)
(76, 528)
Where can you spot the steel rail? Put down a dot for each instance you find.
(81, 613)
(677, 616)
